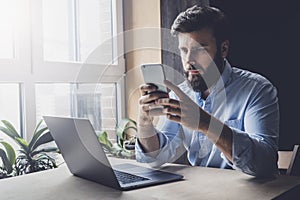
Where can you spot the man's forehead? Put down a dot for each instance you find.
(189, 42)
(196, 38)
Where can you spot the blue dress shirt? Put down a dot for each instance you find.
(246, 102)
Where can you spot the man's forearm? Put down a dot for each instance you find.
(220, 134)
(224, 142)
(150, 145)
(148, 138)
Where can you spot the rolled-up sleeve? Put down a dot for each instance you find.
(169, 139)
(255, 148)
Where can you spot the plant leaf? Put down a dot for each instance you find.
(22, 152)
(6, 163)
(35, 137)
(45, 150)
(123, 123)
(103, 138)
(117, 146)
(128, 120)
(128, 154)
(122, 128)
(116, 149)
(23, 144)
(7, 132)
(21, 156)
(11, 154)
(43, 139)
(37, 126)
(11, 128)
(130, 127)
(10, 131)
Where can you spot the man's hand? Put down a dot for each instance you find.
(147, 135)
(184, 111)
(147, 106)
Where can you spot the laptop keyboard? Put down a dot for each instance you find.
(125, 178)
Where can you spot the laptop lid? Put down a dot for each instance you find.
(85, 158)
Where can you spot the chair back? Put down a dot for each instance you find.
(294, 167)
(289, 161)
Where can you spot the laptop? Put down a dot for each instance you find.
(85, 157)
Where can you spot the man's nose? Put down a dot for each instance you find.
(190, 58)
(189, 66)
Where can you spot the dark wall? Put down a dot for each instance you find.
(265, 39)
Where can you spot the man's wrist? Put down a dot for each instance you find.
(146, 131)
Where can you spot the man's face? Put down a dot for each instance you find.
(201, 58)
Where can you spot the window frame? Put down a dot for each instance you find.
(46, 71)
(30, 68)
(22, 60)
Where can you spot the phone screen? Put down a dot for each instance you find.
(154, 73)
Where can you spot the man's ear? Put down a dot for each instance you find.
(224, 48)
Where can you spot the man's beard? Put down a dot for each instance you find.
(199, 83)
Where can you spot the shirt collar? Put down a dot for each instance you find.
(223, 80)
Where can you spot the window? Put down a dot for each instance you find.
(10, 106)
(77, 29)
(7, 23)
(94, 101)
(61, 57)
(14, 37)
(9, 103)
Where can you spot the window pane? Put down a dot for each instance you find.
(97, 102)
(10, 107)
(95, 29)
(74, 29)
(52, 99)
(7, 26)
(57, 34)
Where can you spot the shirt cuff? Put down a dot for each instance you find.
(143, 157)
(242, 151)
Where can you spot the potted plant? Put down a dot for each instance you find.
(124, 147)
(33, 156)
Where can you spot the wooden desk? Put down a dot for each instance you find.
(199, 183)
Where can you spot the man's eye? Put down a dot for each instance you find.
(201, 49)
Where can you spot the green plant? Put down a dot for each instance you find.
(8, 157)
(122, 147)
(32, 156)
(123, 136)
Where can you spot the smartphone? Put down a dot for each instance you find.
(154, 73)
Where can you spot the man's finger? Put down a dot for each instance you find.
(146, 88)
(152, 97)
(172, 111)
(175, 89)
(168, 102)
(158, 111)
(174, 118)
(146, 107)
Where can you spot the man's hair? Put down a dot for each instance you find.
(197, 18)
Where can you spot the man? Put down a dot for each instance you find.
(224, 116)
